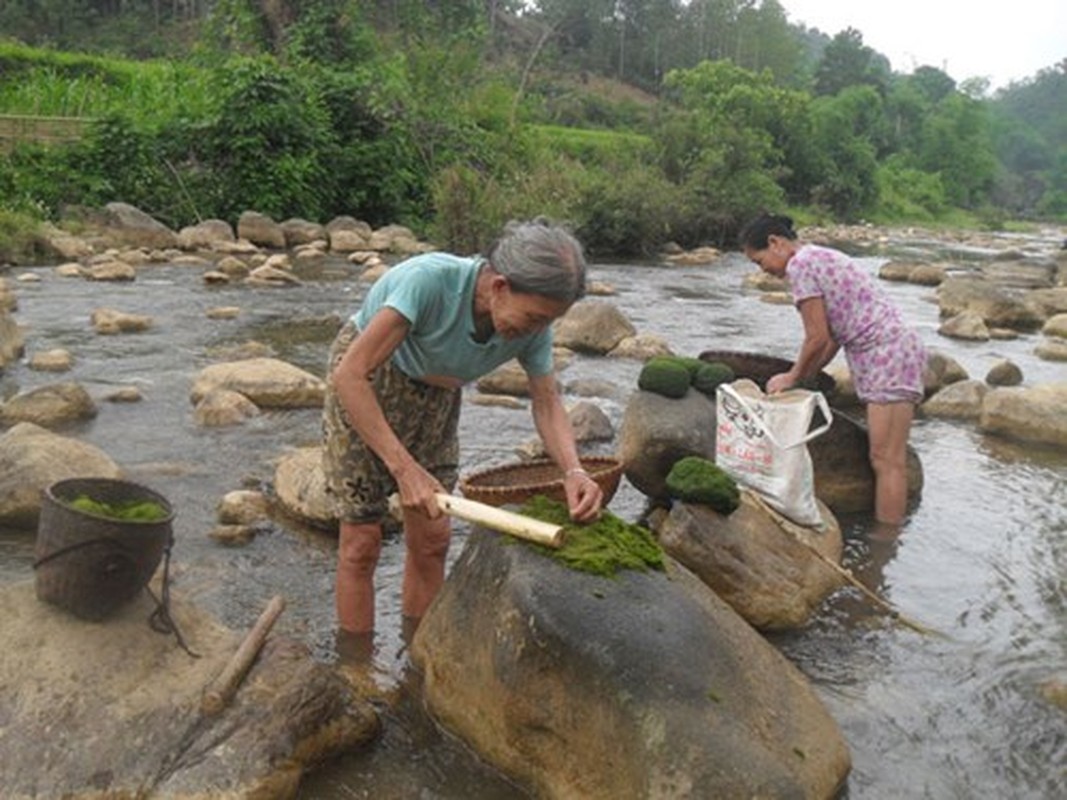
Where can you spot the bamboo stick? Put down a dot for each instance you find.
(502, 520)
(221, 691)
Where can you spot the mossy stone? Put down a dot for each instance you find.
(697, 480)
(665, 375)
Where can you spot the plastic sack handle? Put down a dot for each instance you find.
(820, 403)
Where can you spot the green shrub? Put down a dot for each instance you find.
(696, 480)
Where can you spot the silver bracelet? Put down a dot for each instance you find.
(576, 471)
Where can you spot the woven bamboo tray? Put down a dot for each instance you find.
(517, 483)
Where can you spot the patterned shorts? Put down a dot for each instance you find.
(891, 372)
(425, 419)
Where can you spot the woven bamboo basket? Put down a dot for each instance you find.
(91, 565)
(761, 368)
(517, 483)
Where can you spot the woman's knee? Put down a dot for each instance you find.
(428, 538)
(360, 546)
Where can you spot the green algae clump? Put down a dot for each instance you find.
(710, 374)
(665, 375)
(603, 547)
(696, 480)
(124, 511)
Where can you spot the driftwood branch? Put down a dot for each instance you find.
(221, 691)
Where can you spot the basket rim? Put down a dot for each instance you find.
(65, 500)
(597, 466)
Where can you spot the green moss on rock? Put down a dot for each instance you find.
(696, 480)
(603, 547)
(665, 375)
(710, 374)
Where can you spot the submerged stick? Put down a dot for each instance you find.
(221, 691)
(882, 604)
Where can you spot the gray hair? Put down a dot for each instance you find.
(542, 258)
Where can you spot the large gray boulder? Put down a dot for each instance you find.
(645, 685)
(113, 709)
(128, 226)
(32, 459)
(657, 431)
(772, 572)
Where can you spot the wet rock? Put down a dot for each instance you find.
(1051, 350)
(300, 486)
(961, 400)
(223, 312)
(1004, 373)
(995, 306)
(769, 570)
(1056, 326)
(12, 342)
(1033, 414)
(696, 257)
(941, 370)
(221, 408)
(592, 326)
(125, 394)
(266, 275)
(844, 394)
(966, 325)
(108, 321)
(242, 507)
(645, 685)
(32, 459)
(114, 708)
(205, 235)
(267, 382)
(300, 231)
(497, 401)
(111, 271)
(49, 406)
(55, 360)
(127, 225)
(641, 347)
(260, 230)
(657, 431)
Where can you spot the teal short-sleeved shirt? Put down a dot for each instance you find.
(435, 293)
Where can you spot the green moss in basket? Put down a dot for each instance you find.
(125, 511)
(602, 547)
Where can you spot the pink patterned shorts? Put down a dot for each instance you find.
(890, 371)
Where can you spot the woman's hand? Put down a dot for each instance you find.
(418, 490)
(780, 382)
(584, 496)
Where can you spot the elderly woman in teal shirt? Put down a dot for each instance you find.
(427, 327)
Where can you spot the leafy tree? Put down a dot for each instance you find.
(846, 61)
(956, 142)
(846, 130)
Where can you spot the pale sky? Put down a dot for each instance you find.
(1003, 40)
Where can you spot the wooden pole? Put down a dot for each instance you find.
(221, 691)
(502, 520)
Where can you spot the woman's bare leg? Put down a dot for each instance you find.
(426, 541)
(358, 549)
(889, 424)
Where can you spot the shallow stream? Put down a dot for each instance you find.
(983, 558)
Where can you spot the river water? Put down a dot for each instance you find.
(983, 559)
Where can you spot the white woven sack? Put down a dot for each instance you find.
(761, 441)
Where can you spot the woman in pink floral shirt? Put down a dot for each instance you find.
(843, 307)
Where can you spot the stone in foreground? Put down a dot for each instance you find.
(642, 685)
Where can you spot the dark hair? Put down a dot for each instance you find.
(756, 234)
(540, 257)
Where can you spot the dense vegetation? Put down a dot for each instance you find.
(639, 121)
